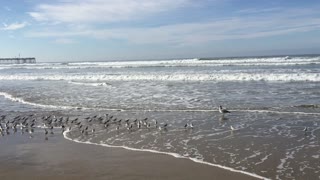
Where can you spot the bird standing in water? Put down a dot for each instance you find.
(223, 111)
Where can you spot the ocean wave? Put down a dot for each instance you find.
(96, 84)
(47, 106)
(313, 106)
(276, 61)
(220, 77)
(22, 101)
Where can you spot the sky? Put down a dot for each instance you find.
(98, 30)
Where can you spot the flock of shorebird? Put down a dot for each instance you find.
(28, 123)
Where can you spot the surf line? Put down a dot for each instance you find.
(166, 153)
(20, 100)
(276, 112)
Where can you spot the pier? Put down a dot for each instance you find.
(28, 60)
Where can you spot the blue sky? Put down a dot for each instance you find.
(89, 30)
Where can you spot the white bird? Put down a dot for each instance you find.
(232, 128)
(223, 111)
(305, 129)
(191, 125)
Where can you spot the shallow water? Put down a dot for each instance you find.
(272, 100)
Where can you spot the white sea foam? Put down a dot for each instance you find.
(316, 156)
(274, 61)
(166, 153)
(263, 159)
(182, 74)
(220, 77)
(22, 101)
(97, 84)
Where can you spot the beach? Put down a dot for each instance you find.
(22, 157)
(160, 119)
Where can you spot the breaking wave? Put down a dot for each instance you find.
(220, 77)
(22, 101)
(274, 61)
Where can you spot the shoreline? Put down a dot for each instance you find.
(25, 158)
(175, 155)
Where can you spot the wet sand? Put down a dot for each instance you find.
(26, 158)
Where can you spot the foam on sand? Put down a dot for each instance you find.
(167, 153)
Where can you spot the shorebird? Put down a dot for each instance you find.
(191, 125)
(223, 111)
(186, 125)
(156, 123)
(164, 127)
(232, 128)
(130, 127)
(305, 129)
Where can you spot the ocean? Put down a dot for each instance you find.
(271, 100)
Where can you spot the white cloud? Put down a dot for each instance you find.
(14, 26)
(257, 10)
(74, 18)
(90, 11)
(200, 32)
